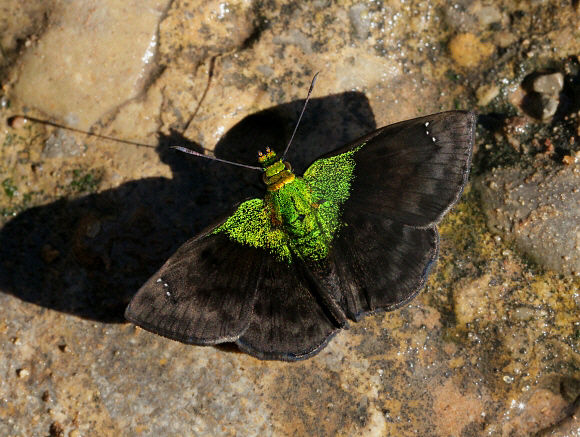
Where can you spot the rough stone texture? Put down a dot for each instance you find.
(539, 211)
(80, 60)
(490, 347)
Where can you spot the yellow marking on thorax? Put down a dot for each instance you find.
(280, 179)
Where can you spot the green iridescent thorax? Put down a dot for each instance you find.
(276, 172)
(297, 216)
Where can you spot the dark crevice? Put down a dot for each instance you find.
(260, 25)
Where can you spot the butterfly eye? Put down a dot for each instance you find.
(288, 165)
(265, 178)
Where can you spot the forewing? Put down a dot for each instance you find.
(411, 172)
(204, 294)
(289, 322)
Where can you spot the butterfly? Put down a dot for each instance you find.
(354, 235)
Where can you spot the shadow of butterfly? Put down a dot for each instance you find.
(356, 234)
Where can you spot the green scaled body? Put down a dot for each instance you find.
(299, 215)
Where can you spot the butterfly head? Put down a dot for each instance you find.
(267, 158)
(277, 173)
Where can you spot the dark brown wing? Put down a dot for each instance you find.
(414, 171)
(290, 321)
(204, 294)
(406, 177)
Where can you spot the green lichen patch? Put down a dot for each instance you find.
(9, 188)
(85, 182)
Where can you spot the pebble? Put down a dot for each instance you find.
(17, 122)
(466, 50)
(360, 20)
(551, 84)
(525, 313)
(471, 300)
(22, 373)
(544, 98)
(549, 106)
(488, 15)
(486, 93)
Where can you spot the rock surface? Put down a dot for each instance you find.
(489, 348)
(539, 211)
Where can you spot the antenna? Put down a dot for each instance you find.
(15, 120)
(253, 167)
(20, 118)
(213, 158)
(300, 118)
